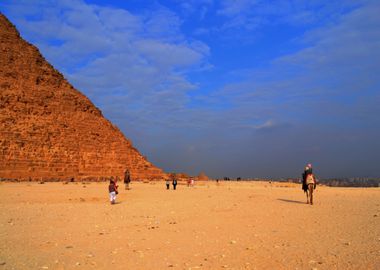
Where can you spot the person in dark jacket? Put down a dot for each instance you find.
(127, 178)
(308, 170)
(174, 181)
(112, 189)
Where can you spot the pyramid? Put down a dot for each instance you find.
(49, 130)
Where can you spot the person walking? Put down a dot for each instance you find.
(112, 189)
(127, 179)
(167, 184)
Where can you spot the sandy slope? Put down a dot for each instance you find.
(230, 226)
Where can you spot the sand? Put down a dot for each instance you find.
(227, 226)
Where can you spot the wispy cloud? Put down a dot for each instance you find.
(251, 15)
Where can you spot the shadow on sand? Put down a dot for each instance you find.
(117, 202)
(291, 201)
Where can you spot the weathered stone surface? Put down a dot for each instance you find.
(49, 130)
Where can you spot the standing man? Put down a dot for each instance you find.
(127, 178)
(174, 181)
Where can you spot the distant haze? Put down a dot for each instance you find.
(231, 88)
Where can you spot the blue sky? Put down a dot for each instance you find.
(232, 88)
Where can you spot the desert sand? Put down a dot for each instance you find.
(233, 225)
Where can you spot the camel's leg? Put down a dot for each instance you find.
(307, 196)
(310, 187)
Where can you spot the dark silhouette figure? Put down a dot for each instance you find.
(174, 181)
(127, 178)
(309, 183)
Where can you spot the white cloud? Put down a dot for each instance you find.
(251, 15)
(232, 8)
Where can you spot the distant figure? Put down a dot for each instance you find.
(192, 182)
(127, 179)
(309, 183)
(112, 189)
(167, 184)
(188, 182)
(174, 181)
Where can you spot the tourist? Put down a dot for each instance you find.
(167, 184)
(127, 179)
(174, 181)
(308, 171)
(112, 189)
(309, 183)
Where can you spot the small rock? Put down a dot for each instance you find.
(2, 263)
(375, 215)
(233, 242)
(78, 263)
(69, 246)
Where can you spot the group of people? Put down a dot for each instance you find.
(308, 180)
(113, 187)
(173, 180)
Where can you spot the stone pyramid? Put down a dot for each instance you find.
(49, 131)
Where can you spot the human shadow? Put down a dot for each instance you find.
(118, 202)
(291, 201)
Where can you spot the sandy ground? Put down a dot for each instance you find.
(226, 226)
